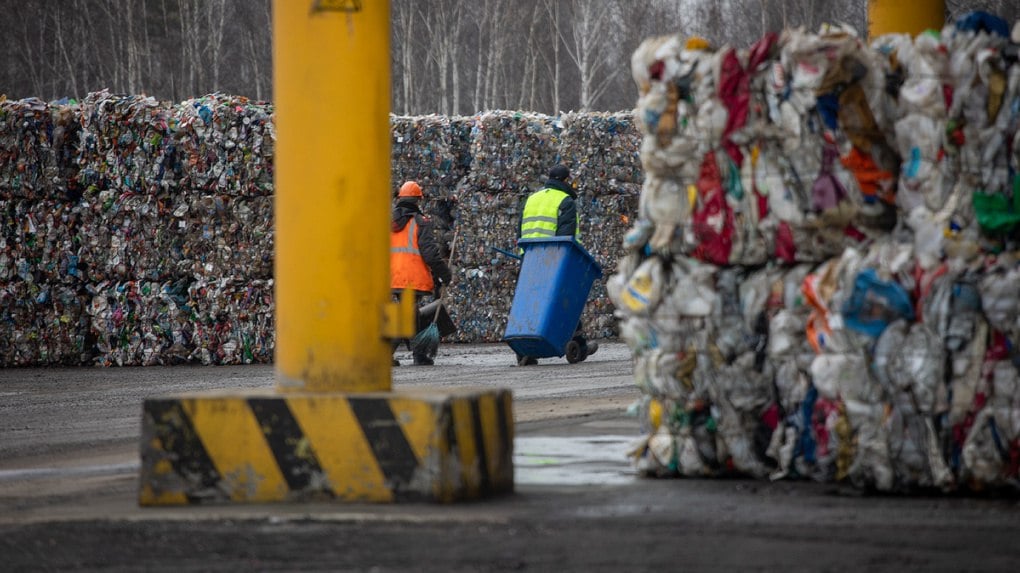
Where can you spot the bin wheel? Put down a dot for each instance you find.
(575, 352)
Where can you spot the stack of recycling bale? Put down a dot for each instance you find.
(599, 148)
(139, 232)
(816, 286)
(41, 304)
(433, 150)
(511, 150)
(136, 232)
(36, 159)
(177, 200)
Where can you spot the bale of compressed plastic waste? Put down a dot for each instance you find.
(816, 285)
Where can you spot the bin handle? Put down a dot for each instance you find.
(507, 253)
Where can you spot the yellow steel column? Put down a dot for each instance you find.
(331, 89)
(334, 430)
(904, 16)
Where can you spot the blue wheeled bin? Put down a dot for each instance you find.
(552, 287)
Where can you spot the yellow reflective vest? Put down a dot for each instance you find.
(541, 212)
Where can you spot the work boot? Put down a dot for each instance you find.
(526, 361)
(423, 361)
(593, 347)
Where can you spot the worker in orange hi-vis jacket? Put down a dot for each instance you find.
(416, 260)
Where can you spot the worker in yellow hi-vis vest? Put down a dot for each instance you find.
(552, 212)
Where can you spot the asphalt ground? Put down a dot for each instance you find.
(68, 492)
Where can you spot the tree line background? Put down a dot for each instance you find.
(452, 57)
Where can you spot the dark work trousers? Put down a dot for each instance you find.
(418, 296)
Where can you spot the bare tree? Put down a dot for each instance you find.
(215, 26)
(168, 70)
(404, 17)
(499, 24)
(67, 46)
(256, 21)
(528, 95)
(553, 9)
(32, 51)
(129, 45)
(590, 35)
(442, 22)
(596, 37)
(191, 46)
(448, 56)
(481, 18)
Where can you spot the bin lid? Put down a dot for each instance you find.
(527, 243)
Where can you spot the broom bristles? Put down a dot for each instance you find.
(426, 342)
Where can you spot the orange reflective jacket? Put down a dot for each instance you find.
(407, 267)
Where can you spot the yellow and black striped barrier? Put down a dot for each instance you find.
(440, 446)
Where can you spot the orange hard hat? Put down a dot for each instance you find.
(697, 43)
(410, 189)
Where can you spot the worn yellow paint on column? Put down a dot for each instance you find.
(905, 17)
(332, 186)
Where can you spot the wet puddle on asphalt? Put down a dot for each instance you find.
(540, 460)
(591, 460)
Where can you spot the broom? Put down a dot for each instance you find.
(426, 342)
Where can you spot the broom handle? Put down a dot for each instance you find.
(453, 250)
